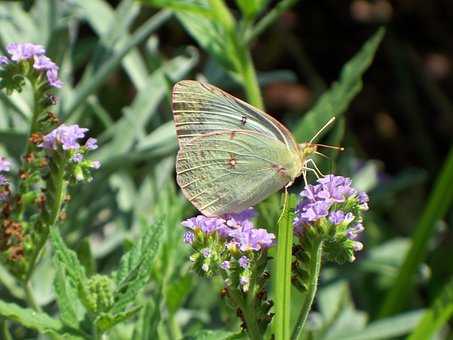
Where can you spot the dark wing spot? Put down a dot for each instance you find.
(243, 120)
(232, 134)
(280, 170)
(232, 162)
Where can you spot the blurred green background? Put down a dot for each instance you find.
(119, 60)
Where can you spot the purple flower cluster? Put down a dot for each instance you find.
(332, 198)
(5, 166)
(230, 242)
(67, 137)
(236, 229)
(27, 51)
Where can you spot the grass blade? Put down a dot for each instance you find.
(439, 201)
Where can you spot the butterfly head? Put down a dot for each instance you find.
(307, 149)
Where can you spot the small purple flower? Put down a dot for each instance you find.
(338, 217)
(77, 158)
(254, 239)
(52, 78)
(64, 135)
(225, 265)
(244, 281)
(41, 62)
(355, 231)
(95, 164)
(244, 262)
(91, 144)
(206, 252)
(3, 180)
(189, 237)
(4, 60)
(5, 165)
(207, 225)
(24, 51)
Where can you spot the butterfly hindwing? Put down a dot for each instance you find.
(229, 171)
(200, 108)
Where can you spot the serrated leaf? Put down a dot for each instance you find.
(337, 99)
(135, 268)
(67, 300)
(64, 255)
(29, 318)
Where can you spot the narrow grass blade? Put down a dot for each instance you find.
(439, 201)
(283, 272)
(437, 316)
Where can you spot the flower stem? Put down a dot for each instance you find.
(314, 267)
(29, 297)
(56, 189)
(249, 78)
(283, 272)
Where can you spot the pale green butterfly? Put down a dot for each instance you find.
(231, 155)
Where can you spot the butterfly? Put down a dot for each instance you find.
(231, 155)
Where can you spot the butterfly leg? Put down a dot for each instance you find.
(312, 162)
(285, 200)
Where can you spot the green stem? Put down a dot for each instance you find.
(249, 78)
(5, 333)
(30, 298)
(269, 19)
(314, 267)
(283, 272)
(56, 187)
(253, 329)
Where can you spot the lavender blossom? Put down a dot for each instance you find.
(91, 144)
(3, 180)
(225, 265)
(189, 237)
(5, 165)
(4, 60)
(207, 225)
(65, 135)
(24, 51)
(332, 200)
(244, 262)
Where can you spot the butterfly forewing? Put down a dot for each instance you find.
(229, 171)
(200, 108)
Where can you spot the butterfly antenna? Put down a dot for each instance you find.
(331, 120)
(340, 148)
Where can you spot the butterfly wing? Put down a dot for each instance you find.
(200, 108)
(229, 171)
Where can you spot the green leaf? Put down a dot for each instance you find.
(337, 99)
(214, 335)
(283, 262)
(68, 303)
(177, 292)
(146, 327)
(437, 316)
(91, 85)
(40, 322)
(64, 255)
(389, 328)
(135, 268)
(439, 202)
